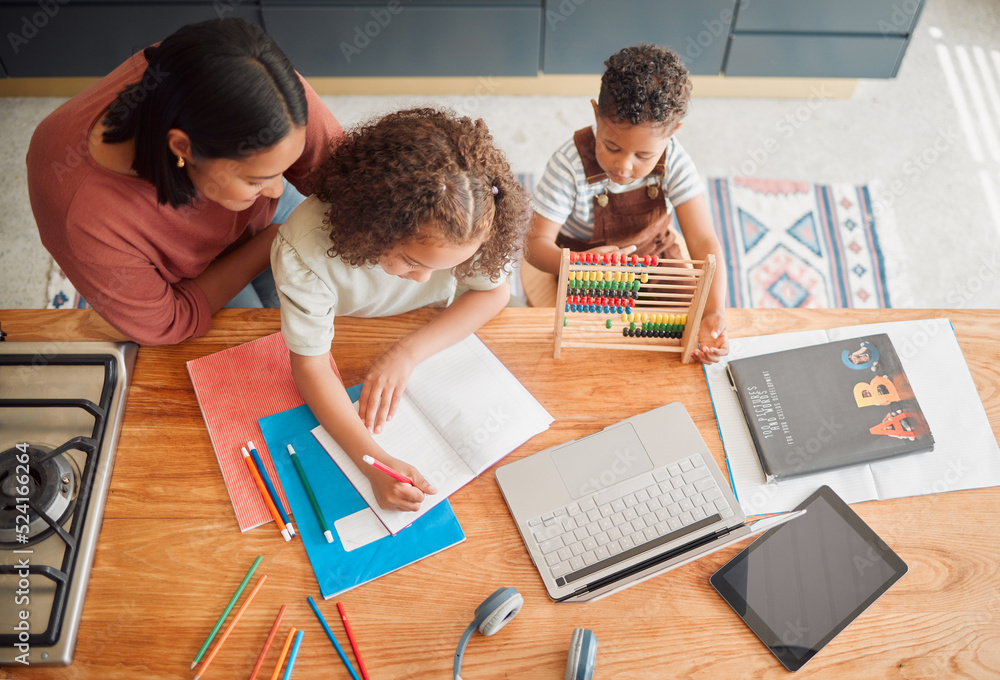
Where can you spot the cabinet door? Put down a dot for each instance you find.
(397, 38)
(814, 56)
(876, 17)
(581, 34)
(58, 38)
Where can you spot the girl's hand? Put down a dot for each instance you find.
(713, 343)
(395, 495)
(383, 387)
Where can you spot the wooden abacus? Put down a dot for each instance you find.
(630, 302)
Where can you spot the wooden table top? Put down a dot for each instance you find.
(170, 552)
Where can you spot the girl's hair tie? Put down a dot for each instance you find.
(495, 190)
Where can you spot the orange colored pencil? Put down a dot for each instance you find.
(229, 628)
(263, 492)
(267, 642)
(284, 651)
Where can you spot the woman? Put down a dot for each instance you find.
(156, 188)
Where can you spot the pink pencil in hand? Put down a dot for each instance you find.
(387, 470)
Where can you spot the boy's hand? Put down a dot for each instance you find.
(620, 250)
(395, 495)
(713, 343)
(383, 387)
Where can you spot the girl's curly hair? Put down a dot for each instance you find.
(389, 179)
(645, 84)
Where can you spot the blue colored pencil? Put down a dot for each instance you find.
(270, 487)
(291, 657)
(329, 634)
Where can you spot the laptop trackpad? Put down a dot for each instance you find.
(600, 460)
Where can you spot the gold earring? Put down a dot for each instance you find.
(180, 161)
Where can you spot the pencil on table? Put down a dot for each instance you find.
(284, 651)
(225, 613)
(350, 638)
(263, 492)
(312, 496)
(329, 634)
(272, 492)
(291, 657)
(232, 624)
(267, 643)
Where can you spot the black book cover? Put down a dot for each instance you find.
(826, 406)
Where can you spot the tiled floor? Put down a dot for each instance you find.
(927, 142)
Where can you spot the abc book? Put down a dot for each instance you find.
(826, 406)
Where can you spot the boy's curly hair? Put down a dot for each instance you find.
(390, 178)
(645, 84)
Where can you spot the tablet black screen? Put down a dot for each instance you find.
(803, 582)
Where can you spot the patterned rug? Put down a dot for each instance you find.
(796, 244)
(787, 244)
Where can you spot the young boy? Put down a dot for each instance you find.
(617, 186)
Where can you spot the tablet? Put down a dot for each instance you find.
(801, 583)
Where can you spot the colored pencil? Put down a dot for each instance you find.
(329, 634)
(312, 496)
(229, 607)
(263, 492)
(291, 657)
(398, 476)
(354, 643)
(267, 643)
(275, 498)
(284, 651)
(229, 628)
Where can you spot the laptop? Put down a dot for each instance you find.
(608, 511)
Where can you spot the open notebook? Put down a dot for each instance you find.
(461, 413)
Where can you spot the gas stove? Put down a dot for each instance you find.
(61, 407)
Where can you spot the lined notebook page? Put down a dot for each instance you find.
(965, 452)
(410, 437)
(462, 411)
(476, 403)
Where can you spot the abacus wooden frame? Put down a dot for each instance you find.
(701, 273)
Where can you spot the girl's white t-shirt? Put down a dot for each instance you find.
(314, 288)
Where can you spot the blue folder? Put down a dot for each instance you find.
(338, 570)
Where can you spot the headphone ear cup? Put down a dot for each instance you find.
(503, 611)
(582, 655)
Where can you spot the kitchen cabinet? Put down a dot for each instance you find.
(812, 38)
(59, 38)
(407, 37)
(581, 34)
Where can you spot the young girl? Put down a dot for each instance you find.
(416, 209)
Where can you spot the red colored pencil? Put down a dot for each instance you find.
(267, 643)
(354, 644)
(379, 465)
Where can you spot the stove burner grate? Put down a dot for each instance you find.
(37, 491)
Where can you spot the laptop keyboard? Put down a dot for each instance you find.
(617, 523)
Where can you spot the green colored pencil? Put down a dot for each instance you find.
(312, 497)
(218, 624)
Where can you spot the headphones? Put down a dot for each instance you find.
(503, 605)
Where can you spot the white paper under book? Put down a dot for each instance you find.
(462, 412)
(965, 455)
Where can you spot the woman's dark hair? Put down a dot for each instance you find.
(417, 169)
(225, 83)
(645, 84)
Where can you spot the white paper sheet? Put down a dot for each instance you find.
(965, 455)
